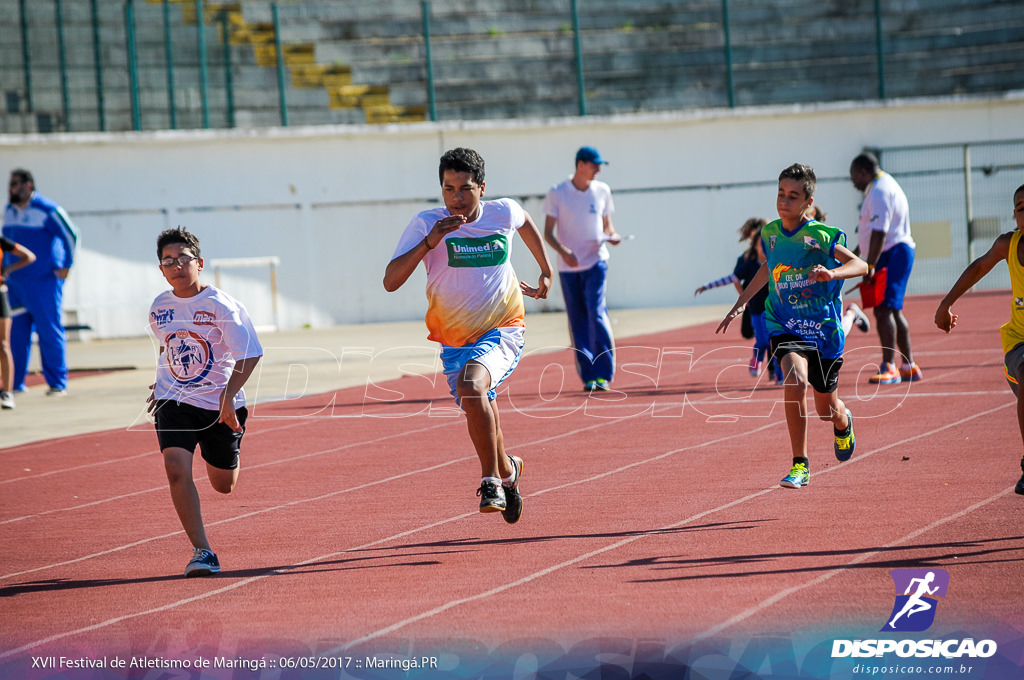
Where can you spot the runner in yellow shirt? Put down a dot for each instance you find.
(1007, 247)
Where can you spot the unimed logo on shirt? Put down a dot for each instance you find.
(489, 251)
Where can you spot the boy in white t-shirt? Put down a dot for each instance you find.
(208, 350)
(475, 307)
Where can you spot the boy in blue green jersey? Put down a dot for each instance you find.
(806, 263)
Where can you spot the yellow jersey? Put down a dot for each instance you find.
(1011, 333)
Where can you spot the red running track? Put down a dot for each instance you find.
(652, 512)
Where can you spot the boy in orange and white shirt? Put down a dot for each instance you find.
(475, 307)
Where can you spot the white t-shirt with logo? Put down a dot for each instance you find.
(471, 286)
(580, 216)
(201, 338)
(885, 209)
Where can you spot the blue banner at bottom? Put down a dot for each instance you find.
(769, 657)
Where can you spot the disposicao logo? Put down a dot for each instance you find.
(914, 611)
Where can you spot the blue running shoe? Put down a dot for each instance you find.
(204, 563)
(846, 445)
(798, 476)
(590, 386)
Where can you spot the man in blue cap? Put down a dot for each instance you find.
(578, 226)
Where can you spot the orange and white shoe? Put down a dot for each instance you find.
(911, 372)
(887, 375)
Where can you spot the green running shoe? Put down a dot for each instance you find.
(798, 476)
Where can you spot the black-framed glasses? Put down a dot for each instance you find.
(181, 260)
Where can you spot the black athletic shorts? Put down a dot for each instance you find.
(184, 426)
(822, 374)
(5, 304)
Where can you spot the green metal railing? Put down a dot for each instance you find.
(279, 52)
(732, 15)
(727, 39)
(204, 84)
(65, 97)
(97, 57)
(133, 67)
(172, 112)
(431, 93)
(26, 55)
(581, 89)
(229, 90)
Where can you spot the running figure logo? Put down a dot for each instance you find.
(188, 355)
(914, 609)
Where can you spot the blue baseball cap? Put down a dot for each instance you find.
(590, 155)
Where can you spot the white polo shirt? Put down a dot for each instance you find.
(580, 216)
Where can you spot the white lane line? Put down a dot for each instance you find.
(785, 593)
(388, 539)
(200, 476)
(444, 607)
(109, 461)
(631, 539)
(331, 494)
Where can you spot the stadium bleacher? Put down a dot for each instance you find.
(366, 62)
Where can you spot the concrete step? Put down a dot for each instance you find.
(381, 114)
(351, 96)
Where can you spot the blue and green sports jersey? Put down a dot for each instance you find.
(795, 306)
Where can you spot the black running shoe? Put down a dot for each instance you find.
(492, 498)
(845, 445)
(1020, 486)
(203, 563)
(513, 501)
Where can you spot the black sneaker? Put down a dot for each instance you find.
(203, 563)
(513, 501)
(845, 444)
(492, 498)
(1020, 486)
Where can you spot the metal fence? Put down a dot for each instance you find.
(961, 198)
(723, 52)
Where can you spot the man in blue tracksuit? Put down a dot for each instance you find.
(43, 227)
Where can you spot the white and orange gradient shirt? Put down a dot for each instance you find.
(471, 286)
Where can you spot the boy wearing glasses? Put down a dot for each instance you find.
(208, 349)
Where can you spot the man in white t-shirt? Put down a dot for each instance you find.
(885, 222)
(578, 226)
(475, 307)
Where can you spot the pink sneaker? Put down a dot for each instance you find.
(756, 365)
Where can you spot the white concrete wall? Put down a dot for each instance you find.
(331, 201)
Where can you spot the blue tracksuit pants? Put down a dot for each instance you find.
(584, 294)
(42, 300)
